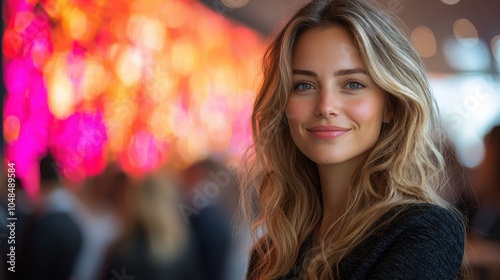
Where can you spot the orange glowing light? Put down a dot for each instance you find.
(12, 126)
(95, 80)
(129, 66)
(60, 97)
(77, 25)
(11, 43)
(171, 79)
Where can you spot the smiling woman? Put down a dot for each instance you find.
(335, 111)
(345, 164)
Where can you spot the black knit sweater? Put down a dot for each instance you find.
(423, 241)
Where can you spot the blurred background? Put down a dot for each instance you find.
(144, 101)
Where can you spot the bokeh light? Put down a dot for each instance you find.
(424, 40)
(143, 83)
(235, 4)
(468, 105)
(467, 56)
(450, 2)
(465, 32)
(495, 50)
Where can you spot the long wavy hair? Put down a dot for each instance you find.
(281, 186)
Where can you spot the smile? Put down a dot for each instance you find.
(327, 132)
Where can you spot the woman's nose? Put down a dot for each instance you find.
(328, 104)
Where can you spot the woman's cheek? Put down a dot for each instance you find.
(365, 110)
(296, 111)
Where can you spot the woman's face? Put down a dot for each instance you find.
(335, 110)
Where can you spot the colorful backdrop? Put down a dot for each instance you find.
(144, 83)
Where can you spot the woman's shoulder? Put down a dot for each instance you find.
(424, 215)
(415, 241)
(421, 221)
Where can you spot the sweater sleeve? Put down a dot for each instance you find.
(428, 244)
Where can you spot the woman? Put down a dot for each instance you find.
(345, 164)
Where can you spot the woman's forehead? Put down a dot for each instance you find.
(330, 45)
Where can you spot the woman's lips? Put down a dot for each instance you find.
(327, 132)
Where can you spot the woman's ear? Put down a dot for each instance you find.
(387, 116)
(389, 108)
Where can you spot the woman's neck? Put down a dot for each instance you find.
(335, 183)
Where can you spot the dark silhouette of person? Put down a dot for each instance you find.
(204, 191)
(56, 238)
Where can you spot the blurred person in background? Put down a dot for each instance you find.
(209, 201)
(24, 214)
(456, 179)
(156, 243)
(26, 218)
(101, 219)
(56, 237)
(481, 204)
(485, 220)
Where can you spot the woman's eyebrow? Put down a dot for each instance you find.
(340, 72)
(344, 72)
(304, 72)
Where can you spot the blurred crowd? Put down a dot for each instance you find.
(184, 224)
(166, 225)
(475, 192)
(479, 190)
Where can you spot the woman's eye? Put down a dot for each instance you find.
(303, 87)
(355, 85)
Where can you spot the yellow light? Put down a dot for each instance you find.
(60, 95)
(159, 124)
(153, 34)
(146, 32)
(95, 80)
(60, 91)
(219, 131)
(120, 112)
(195, 145)
(161, 83)
(184, 57)
(75, 24)
(129, 66)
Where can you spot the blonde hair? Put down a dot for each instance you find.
(281, 189)
(158, 214)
